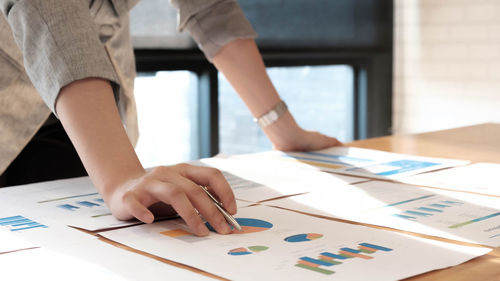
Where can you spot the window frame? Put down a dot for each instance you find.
(372, 85)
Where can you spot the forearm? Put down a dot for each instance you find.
(242, 64)
(89, 115)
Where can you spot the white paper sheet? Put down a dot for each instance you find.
(44, 264)
(283, 245)
(10, 242)
(258, 181)
(455, 215)
(23, 231)
(88, 260)
(483, 178)
(72, 201)
(355, 161)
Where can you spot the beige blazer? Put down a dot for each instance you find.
(47, 44)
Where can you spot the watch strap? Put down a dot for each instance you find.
(272, 115)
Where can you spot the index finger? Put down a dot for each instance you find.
(214, 180)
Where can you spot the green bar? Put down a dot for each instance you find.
(317, 269)
(460, 224)
(68, 197)
(347, 256)
(101, 215)
(330, 261)
(475, 220)
(366, 251)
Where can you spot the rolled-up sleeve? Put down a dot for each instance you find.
(60, 44)
(213, 23)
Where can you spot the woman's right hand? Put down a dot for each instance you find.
(177, 187)
(90, 117)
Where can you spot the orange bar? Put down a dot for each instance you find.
(308, 263)
(356, 255)
(366, 248)
(317, 164)
(176, 233)
(326, 258)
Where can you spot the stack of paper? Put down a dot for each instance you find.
(281, 245)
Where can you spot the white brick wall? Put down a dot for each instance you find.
(446, 64)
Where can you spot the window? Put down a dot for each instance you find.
(319, 97)
(331, 61)
(167, 112)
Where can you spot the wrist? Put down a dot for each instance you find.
(284, 133)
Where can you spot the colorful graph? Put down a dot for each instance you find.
(16, 223)
(325, 160)
(248, 226)
(183, 235)
(458, 225)
(328, 259)
(394, 167)
(247, 251)
(430, 210)
(303, 237)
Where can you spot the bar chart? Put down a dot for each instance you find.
(428, 210)
(328, 259)
(17, 223)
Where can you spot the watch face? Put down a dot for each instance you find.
(273, 115)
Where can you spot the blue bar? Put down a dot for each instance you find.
(429, 209)
(327, 254)
(320, 262)
(87, 204)
(27, 222)
(14, 221)
(11, 218)
(405, 217)
(351, 250)
(452, 202)
(99, 200)
(405, 166)
(29, 227)
(485, 217)
(439, 205)
(68, 207)
(375, 247)
(418, 213)
(409, 200)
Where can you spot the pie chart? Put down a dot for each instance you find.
(305, 237)
(247, 251)
(248, 226)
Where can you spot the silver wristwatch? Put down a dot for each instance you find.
(272, 115)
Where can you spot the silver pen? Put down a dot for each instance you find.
(230, 219)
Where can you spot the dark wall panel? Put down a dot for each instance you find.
(321, 23)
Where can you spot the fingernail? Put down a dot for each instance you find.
(224, 227)
(202, 230)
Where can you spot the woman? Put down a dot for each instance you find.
(79, 60)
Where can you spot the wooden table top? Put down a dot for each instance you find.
(480, 143)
